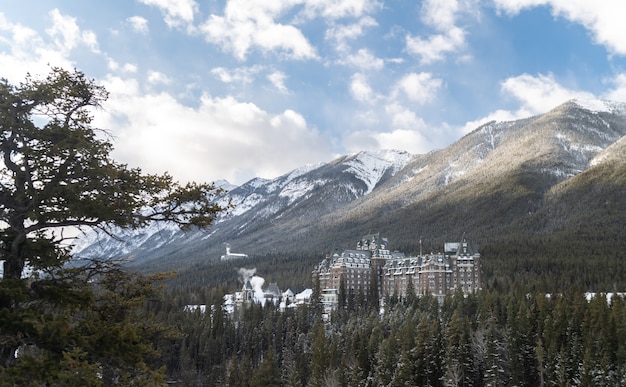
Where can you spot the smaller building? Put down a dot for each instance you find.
(272, 293)
(230, 255)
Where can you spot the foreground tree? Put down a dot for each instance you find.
(56, 172)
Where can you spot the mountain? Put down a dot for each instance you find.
(496, 176)
(263, 210)
(559, 174)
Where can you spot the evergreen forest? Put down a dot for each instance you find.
(496, 337)
(530, 325)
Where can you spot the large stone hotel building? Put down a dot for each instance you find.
(458, 267)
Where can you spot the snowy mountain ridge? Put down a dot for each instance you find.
(314, 205)
(369, 167)
(258, 199)
(600, 105)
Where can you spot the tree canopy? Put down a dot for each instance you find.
(56, 171)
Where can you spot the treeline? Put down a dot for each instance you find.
(546, 265)
(289, 271)
(492, 338)
(553, 264)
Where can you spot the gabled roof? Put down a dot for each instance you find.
(273, 289)
(371, 239)
(463, 247)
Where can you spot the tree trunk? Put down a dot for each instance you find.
(13, 267)
(14, 260)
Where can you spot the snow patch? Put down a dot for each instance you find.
(245, 203)
(295, 190)
(600, 106)
(282, 181)
(369, 167)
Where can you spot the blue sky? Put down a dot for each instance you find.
(234, 89)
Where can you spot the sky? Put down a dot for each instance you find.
(236, 89)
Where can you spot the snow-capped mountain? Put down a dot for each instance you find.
(306, 192)
(502, 177)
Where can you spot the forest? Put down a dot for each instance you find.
(530, 325)
(496, 337)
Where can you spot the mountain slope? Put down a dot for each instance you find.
(264, 209)
(528, 177)
(488, 180)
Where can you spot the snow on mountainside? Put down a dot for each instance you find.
(370, 167)
(601, 106)
(549, 148)
(522, 157)
(286, 179)
(94, 243)
(260, 199)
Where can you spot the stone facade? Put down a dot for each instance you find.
(435, 273)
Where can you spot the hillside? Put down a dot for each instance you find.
(555, 179)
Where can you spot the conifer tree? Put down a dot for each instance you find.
(56, 172)
(319, 358)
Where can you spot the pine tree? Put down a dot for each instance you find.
(56, 172)
(319, 359)
(268, 373)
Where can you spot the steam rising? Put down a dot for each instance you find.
(256, 282)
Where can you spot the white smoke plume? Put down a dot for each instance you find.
(246, 274)
(256, 282)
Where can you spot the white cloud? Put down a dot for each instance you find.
(363, 60)
(538, 94)
(411, 141)
(341, 34)
(138, 24)
(176, 13)
(26, 51)
(222, 138)
(246, 25)
(442, 17)
(420, 88)
(277, 78)
(403, 117)
(435, 47)
(361, 90)
(223, 74)
(407, 134)
(129, 68)
(155, 77)
(242, 75)
(541, 93)
(112, 64)
(603, 18)
(618, 92)
(406, 129)
(337, 9)
(66, 34)
(440, 14)
(499, 116)
(126, 68)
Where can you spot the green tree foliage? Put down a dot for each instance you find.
(487, 339)
(60, 324)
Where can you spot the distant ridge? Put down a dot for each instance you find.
(502, 179)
